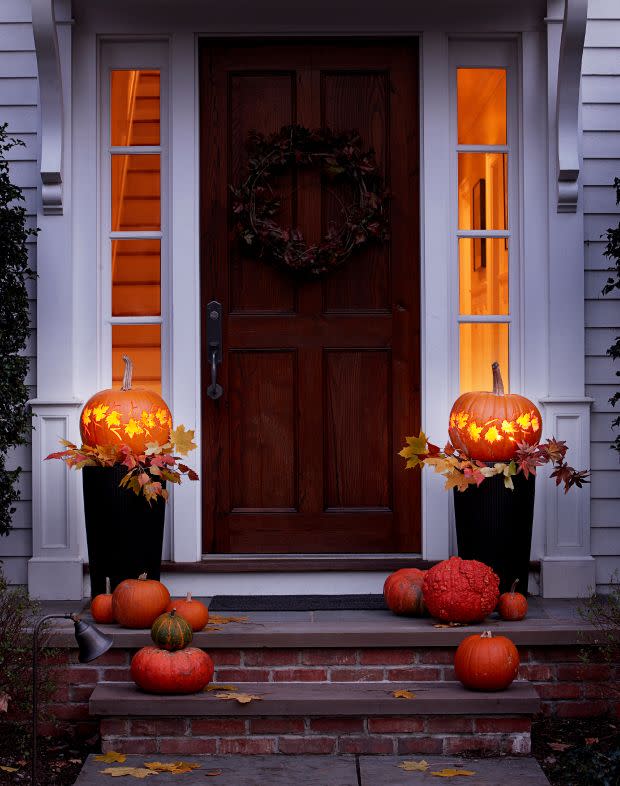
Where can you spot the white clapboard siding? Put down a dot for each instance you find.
(600, 96)
(19, 96)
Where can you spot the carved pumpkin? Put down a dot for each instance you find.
(129, 416)
(137, 603)
(193, 611)
(160, 671)
(403, 592)
(171, 632)
(487, 426)
(512, 605)
(460, 590)
(101, 606)
(486, 662)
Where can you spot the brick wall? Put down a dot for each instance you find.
(567, 687)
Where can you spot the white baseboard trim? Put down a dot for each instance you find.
(568, 577)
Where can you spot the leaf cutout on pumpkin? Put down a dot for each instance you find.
(215, 686)
(176, 767)
(450, 772)
(242, 698)
(414, 766)
(111, 757)
(134, 772)
(403, 694)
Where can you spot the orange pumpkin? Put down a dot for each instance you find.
(487, 426)
(129, 416)
(137, 603)
(403, 592)
(512, 605)
(101, 606)
(486, 662)
(195, 613)
(182, 671)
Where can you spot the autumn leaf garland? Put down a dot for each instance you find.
(145, 471)
(461, 471)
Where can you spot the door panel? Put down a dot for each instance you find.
(321, 378)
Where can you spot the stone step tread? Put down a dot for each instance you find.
(328, 770)
(319, 698)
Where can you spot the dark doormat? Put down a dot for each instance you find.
(296, 602)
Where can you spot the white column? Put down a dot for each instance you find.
(567, 567)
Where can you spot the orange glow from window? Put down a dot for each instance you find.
(134, 108)
(481, 105)
(136, 278)
(135, 193)
(481, 344)
(483, 275)
(483, 191)
(143, 345)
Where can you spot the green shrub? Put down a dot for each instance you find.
(612, 251)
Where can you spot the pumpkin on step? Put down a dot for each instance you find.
(193, 611)
(512, 605)
(403, 592)
(183, 671)
(460, 590)
(137, 603)
(486, 662)
(171, 632)
(101, 606)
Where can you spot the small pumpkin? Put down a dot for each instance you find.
(512, 605)
(403, 592)
(101, 606)
(486, 662)
(192, 610)
(136, 603)
(171, 632)
(460, 590)
(488, 425)
(183, 671)
(129, 416)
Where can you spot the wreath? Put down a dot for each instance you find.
(340, 158)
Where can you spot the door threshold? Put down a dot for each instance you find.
(297, 563)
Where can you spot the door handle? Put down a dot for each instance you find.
(214, 346)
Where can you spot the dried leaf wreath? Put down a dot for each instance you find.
(340, 159)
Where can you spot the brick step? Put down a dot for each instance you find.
(332, 771)
(318, 718)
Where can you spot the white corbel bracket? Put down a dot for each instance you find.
(51, 104)
(567, 102)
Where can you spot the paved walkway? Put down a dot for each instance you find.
(325, 771)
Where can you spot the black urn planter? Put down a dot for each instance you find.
(123, 532)
(494, 526)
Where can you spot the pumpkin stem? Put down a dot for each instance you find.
(498, 382)
(127, 373)
(486, 635)
(514, 584)
(173, 612)
(189, 596)
(142, 577)
(107, 585)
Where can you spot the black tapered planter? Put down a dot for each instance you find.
(123, 532)
(494, 526)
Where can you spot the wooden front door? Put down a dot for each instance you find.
(321, 379)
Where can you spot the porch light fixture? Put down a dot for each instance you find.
(91, 642)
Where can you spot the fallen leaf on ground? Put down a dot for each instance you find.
(559, 746)
(449, 772)
(111, 757)
(4, 702)
(134, 772)
(414, 766)
(75, 761)
(242, 698)
(4, 768)
(215, 686)
(175, 767)
(591, 740)
(208, 629)
(217, 619)
(403, 694)
(213, 773)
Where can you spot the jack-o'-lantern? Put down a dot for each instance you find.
(487, 426)
(129, 416)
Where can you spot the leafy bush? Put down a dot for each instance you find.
(612, 251)
(603, 613)
(14, 328)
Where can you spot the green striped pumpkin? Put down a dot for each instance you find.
(171, 632)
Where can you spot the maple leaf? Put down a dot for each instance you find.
(508, 427)
(215, 686)
(457, 480)
(176, 767)
(113, 419)
(474, 431)
(153, 449)
(401, 693)
(182, 440)
(152, 490)
(414, 766)
(528, 457)
(474, 474)
(162, 416)
(134, 772)
(449, 449)
(555, 449)
(493, 435)
(59, 454)
(133, 428)
(99, 412)
(5, 768)
(433, 450)
(450, 772)
(111, 757)
(242, 698)
(86, 416)
(524, 421)
(440, 464)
